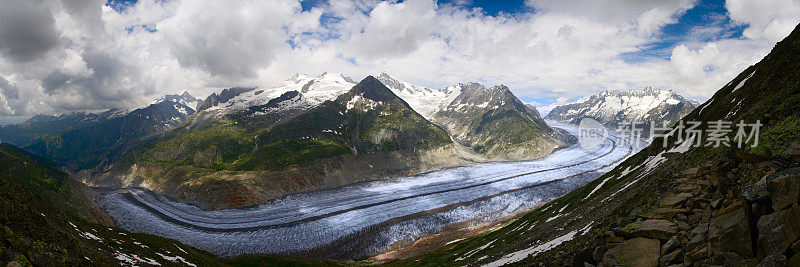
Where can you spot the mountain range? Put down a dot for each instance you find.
(248, 145)
(243, 143)
(106, 136)
(616, 109)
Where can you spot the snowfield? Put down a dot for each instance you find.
(363, 219)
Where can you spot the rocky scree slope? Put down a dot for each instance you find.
(682, 206)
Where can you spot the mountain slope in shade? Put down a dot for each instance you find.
(104, 141)
(49, 219)
(614, 108)
(695, 206)
(287, 145)
(23, 133)
(491, 121)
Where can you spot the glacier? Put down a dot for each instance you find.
(363, 219)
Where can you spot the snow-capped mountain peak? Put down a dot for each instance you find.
(422, 99)
(612, 107)
(185, 98)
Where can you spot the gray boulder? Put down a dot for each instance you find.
(729, 231)
(634, 252)
(776, 231)
(784, 188)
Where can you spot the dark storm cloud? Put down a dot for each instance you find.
(107, 86)
(27, 30)
(55, 81)
(88, 12)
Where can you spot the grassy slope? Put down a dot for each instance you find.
(227, 145)
(37, 229)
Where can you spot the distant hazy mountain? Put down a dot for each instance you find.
(617, 107)
(108, 135)
(186, 99)
(491, 121)
(22, 133)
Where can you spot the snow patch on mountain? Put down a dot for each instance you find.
(365, 103)
(742, 82)
(533, 251)
(314, 90)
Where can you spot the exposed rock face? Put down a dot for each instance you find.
(227, 94)
(778, 230)
(784, 188)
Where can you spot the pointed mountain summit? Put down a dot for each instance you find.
(369, 117)
(495, 123)
(371, 88)
(185, 98)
